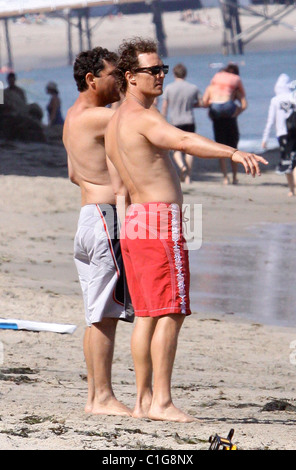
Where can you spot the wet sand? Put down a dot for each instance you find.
(229, 372)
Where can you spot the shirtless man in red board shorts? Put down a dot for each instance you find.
(137, 141)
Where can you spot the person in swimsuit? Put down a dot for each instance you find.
(97, 251)
(138, 140)
(226, 99)
(55, 117)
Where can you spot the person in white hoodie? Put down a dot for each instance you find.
(280, 109)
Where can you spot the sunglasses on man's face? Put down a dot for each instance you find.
(154, 70)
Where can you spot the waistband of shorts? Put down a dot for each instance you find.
(153, 207)
(222, 102)
(92, 209)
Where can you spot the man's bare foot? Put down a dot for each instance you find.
(90, 400)
(170, 413)
(110, 407)
(225, 180)
(235, 181)
(88, 408)
(142, 408)
(291, 194)
(139, 412)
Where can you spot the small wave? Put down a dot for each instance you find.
(254, 145)
(216, 65)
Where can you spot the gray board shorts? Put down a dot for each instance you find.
(99, 263)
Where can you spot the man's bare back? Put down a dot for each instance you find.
(83, 139)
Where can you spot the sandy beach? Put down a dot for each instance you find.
(46, 44)
(229, 372)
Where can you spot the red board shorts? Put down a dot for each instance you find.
(155, 259)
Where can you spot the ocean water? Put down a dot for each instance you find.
(259, 72)
(248, 277)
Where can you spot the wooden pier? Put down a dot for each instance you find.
(77, 20)
(234, 39)
(76, 16)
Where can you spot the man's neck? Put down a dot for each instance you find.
(90, 100)
(144, 101)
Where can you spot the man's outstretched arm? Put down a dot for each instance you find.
(165, 136)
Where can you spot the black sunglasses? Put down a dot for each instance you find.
(154, 70)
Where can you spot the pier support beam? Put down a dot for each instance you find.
(232, 28)
(8, 45)
(84, 29)
(88, 29)
(234, 39)
(70, 45)
(160, 34)
(80, 30)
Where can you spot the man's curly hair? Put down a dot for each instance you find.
(128, 53)
(91, 61)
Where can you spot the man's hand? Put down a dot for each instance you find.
(250, 161)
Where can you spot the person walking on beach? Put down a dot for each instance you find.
(181, 97)
(138, 139)
(222, 97)
(97, 251)
(280, 108)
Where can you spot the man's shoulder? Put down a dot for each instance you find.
(169, 86)
(91, 113)
(192, 86)
(186, 85)
(140, 118)
(180, 85)
(100, 111)
(93, 120)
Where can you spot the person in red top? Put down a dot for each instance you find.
(225, 86)
(226, 99)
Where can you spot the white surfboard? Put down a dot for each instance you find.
(14, 324)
